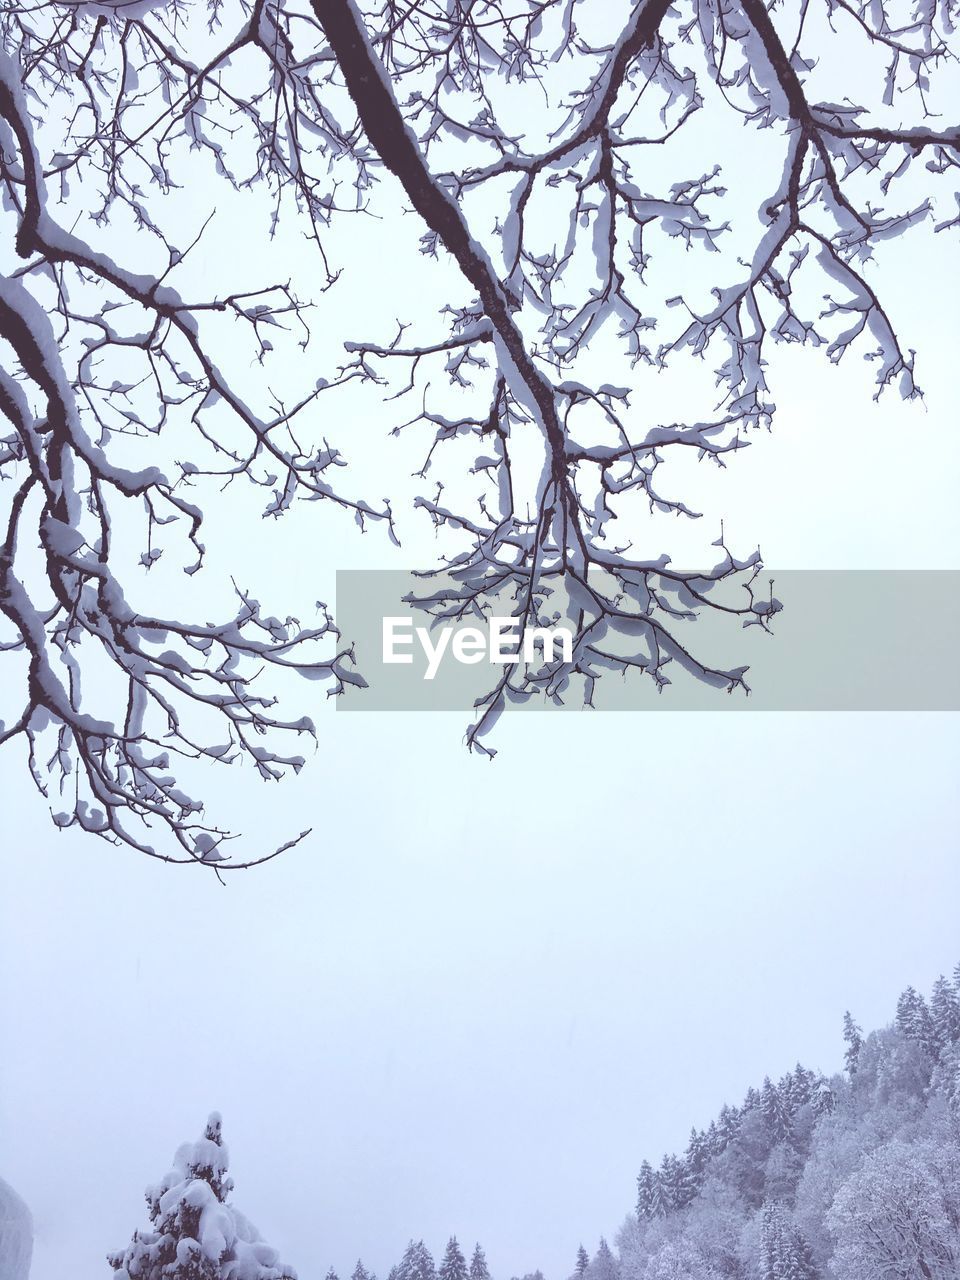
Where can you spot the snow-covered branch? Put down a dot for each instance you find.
(560, 159)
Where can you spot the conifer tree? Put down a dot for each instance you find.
(360, 1272)
(417, 1263)
(751, 1101)
(797, 1087)
(784, 1254)
(331, 1274)
(453, 1266)
(197, 1234)
(715, 1139)
(913, 1020)
(824, 1098)
(775, 1114)
(583, 1258)
(697, 1155)
(604, 1265)
(661, 1202)
(674, 1182)
(791, 1089)
(647, 1195)
(478, 1265)
(728, 1125)
(853, 1038)
(945, 1013)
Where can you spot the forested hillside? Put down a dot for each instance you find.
(856, 1177)
(852, 1177)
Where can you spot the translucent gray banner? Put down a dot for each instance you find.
(835, 640)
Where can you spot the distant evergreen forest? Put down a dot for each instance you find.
(852, 1177)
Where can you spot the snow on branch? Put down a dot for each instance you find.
(108, 752)
(561, 161)
(554, 303)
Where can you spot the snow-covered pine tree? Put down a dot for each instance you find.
(360, 1272)
(715, 1140)
(804, 1267)
(453, 1266)
(945, 1013)
(853, 1039)
(751, 1102)
(728, 1125)
(913, 1020)
(824, 1099)
(676, 1183)
(196, 1234)
(797, 1087)
(697, 1156)
(331, 1274)
(478, 1265)
(583, 1259)
(604, 1265)
(417, 1263)
(784, 1254)
(647, 1196)
(776, 1114)
(660, 1202)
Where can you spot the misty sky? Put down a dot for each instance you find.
(482, 993)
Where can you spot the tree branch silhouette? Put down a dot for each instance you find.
(554, 153)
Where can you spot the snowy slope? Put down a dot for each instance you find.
(16, 1235)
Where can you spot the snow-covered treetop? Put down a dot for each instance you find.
(197, 1234)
